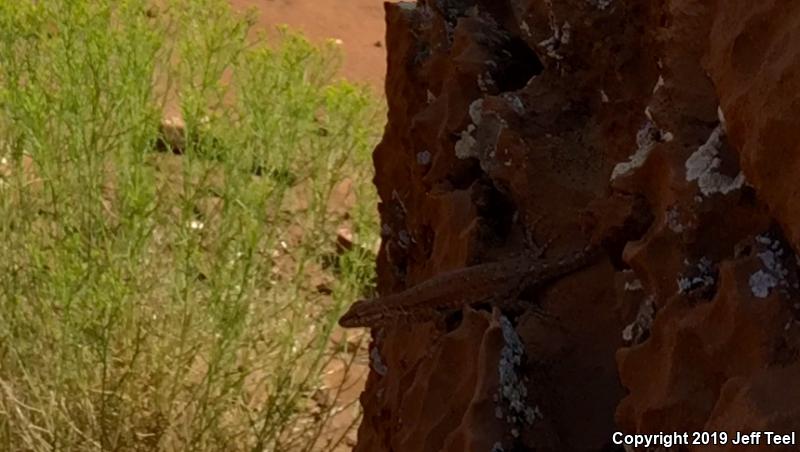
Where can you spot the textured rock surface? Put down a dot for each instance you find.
(663, 129)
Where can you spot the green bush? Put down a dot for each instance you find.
(154, 301)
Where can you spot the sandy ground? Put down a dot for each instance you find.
(358, 24)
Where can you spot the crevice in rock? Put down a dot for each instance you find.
(522, 65)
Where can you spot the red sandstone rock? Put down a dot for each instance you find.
(590, 120)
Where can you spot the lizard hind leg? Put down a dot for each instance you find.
(509, 302)
(450, 320)
(511, 307)
(519, 301)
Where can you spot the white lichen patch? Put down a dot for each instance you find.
(431, 97)
(602, 5)
(646, 139)
(549, 46)
(524, 27)
(560, 37)
(634, 286)
(566, 33)
(636, 330)
(701, 276)
(762, 283)
(721, 118)
(773, 273)
(659, 84)
(706, 157)
(603, 96)
(475, 111)
(513, 390)
(466, 147)
(407, 6)
(703, 166)
(485, 82)
(515, 102)
(674, 220)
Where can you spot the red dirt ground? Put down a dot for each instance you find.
(358, 24)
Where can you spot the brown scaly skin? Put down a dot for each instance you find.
(452, 290)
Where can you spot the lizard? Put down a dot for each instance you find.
(465, 286)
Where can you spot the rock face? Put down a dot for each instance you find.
(660, 129)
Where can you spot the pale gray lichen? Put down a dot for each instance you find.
(485, 82)
(498, 447)
(407, 6)
(423, 157)
(566, 33)
(475, 111)
(560, 37)
(515, 102)
(636, 330)
(646, 139)
(659, 84)
(404, 239)
(600, 4)
(674, 221)
(524, 27)
(703, 166)
(513, 391)
(377, 363)
(773, 273)
(531, 81)
(762, 283)
(705, 157)
(603, 97)
(549, 45)
(633, 286)
(431, 97)
(701, 276)
(466, 146)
